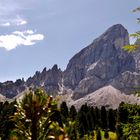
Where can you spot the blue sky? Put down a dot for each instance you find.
(40, 33)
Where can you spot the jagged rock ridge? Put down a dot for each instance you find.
(50, 80)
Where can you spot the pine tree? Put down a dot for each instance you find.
(111, 120)
(97, 117)
(83, 124)
(73, 113)
(64, 111)
(93, 116)
(90, 121)
(103, 118)
(123, 113)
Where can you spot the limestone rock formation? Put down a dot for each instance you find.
(128, 82)
(51, 80)
(100, 62)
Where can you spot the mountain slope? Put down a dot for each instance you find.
(107, 96)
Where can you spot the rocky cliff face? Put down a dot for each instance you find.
(51, 80)
(101, 70)
(99, 63)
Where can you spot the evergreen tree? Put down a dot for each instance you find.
(82, 123)
(73, 113)
(111, 120)
(103, 118)
(97, 117)
(84, 108)
(64, 110)
(90, 121)
(123, 113)
(93, 117)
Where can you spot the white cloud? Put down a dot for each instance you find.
(18, 38)
(6, 24)
(29, 32)
(17, 21)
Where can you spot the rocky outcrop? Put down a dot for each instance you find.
(51, 80)
(127, 82)
(54, 81)
(10, 89)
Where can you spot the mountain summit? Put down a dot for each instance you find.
(102, 68)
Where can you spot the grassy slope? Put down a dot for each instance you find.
(112, 136)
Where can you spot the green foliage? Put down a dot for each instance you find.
(129, 125)
(33, 116)
(132, 130)
(6, 124)
(133, 47)
(130, 48)
(37, 113)
(136, 36)
(70, 129)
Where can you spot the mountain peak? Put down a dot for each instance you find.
(117, 28)
(103, 59)
(116, 31)
(55, 67)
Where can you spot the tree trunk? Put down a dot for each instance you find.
(34, 128)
